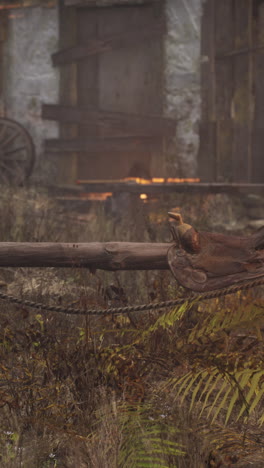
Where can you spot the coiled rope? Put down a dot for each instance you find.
(193, 297)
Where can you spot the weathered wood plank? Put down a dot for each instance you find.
(224, 136)
(130, 81)
(224, 26)
(257, 159)
(88, 84)
(108, 43)
(242, 94)
(67, 169)
(97, 145)
(242, 22)
(112, 123)
(162, 188)
(103, 3)
(257, 162)
(207, 149)
(207, 167)
(3, 38)
(224, 40)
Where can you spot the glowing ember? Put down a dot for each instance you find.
(96, 196)
(137, 180)
(140, 180)
(187, 180)
(158, 180)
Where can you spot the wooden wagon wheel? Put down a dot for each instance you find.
(17, 153)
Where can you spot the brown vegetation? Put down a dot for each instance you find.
(181, 388)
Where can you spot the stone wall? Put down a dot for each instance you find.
(182, 87)
(29, 77)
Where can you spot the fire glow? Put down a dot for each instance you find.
(142, 181)
(102, 196)
(160, 180)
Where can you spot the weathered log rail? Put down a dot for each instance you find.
(200, 261)
(110, 256)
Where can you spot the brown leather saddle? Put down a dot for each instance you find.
(204, 261)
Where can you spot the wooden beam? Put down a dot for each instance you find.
(112, 123)
(97, 145)
(106, 256)
(162, 188)
(103, 3)
(107, 43)
(245, 50)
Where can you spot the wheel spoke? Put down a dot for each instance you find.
(6, 168)
(3, 132)
(9, 139)
(17, 152)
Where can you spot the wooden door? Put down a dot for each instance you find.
(115, 100)
(232, 136)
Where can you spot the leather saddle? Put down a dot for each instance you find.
(204, 261)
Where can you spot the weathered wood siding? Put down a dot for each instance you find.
(232, 134)
(111, 98)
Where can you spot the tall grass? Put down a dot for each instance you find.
(105, 392)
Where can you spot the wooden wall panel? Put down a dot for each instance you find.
(68, 92)
(207, 150)
(125, 81)
(224, 26)
(112, 124)
(241, 120)
(207, 169)
(232, 130)
(257, 161)
(3, 37)
(103, 3)
(242, 92)
(224, 40)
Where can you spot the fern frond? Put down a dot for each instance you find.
(211, 323)
(208, 393)
(146, 440)
(220, 391)
(255, 388)
(169, 318)
(246, 446)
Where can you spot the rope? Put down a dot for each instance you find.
(137, 308)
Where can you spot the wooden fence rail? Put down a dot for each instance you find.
(200, 261)
(95, 255)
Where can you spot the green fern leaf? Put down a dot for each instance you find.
(222, 389)
(254, 382)
(208, 394)
(212, 375)
(204, 375)
(231, 404)
(190, 384)
(258, 397)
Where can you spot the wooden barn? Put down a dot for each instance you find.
(144, 88)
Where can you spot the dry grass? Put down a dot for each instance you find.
(80, 392)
